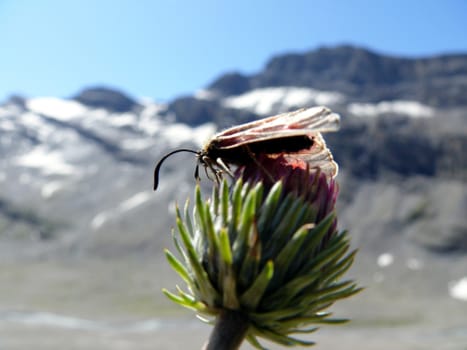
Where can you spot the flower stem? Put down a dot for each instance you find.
(229, 331)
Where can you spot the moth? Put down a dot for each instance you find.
(295, 135)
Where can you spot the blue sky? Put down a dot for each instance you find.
(164, 49)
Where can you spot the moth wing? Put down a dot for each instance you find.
(317, 156)
(299, 122)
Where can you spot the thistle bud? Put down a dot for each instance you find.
(263, 254)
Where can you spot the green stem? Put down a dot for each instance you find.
(229, 331)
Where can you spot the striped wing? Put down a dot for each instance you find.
(306, 121)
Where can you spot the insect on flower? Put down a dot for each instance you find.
(295, 135)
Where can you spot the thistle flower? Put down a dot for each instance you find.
(263, 257)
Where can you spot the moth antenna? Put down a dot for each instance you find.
(158, 166)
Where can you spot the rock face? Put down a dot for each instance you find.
(110, 99)
(402, 147)
(362, 75)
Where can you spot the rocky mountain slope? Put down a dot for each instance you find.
(76, 174)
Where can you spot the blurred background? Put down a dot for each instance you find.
(93, 93)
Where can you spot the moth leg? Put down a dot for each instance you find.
(206, 167)
(197, 178)
(217, 173)
(209, 165)
(224, 167)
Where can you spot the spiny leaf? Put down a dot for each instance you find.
(250, 263)
(245, 225)
(179, 248)
(236, 203)
(225, 203)
(280, 338)
(318, 232)
(224, 247)
(325, 257)
(275, 314)
(254, 342)
(341, 267)
(227, 276)
(281, 297)
(203, 283)
(268, 209)
(178, 267)
(290, 249)
(186, 216)
(251, 298)
(284, 206)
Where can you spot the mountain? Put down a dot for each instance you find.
(76, 174)
(362, 75)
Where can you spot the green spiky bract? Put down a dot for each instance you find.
(261, 253)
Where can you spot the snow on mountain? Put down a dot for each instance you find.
(268, 101)
(176, 134)
(458, 289)
(69, 169)
(126, 205)
(55, 133)
(412, 109)
(50, 162)
(56, 107)
(50, 188)
(206, 94)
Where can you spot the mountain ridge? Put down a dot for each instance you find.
(73, 165)
(357, 71)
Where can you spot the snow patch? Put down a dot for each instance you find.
(49, 189)
(149, 121)
(4, 112)
(149, 124)
(7, 125)
(135, 201)
(384, 260)
(176, 134)
(412, 109)
(204, 94)
(100, 219)
(137, 144)
(34, 122)
(56, 107)
(50, 162)
(266, 101)
(458, 289)
(127, 205)
(122, 119)
(49, 319)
